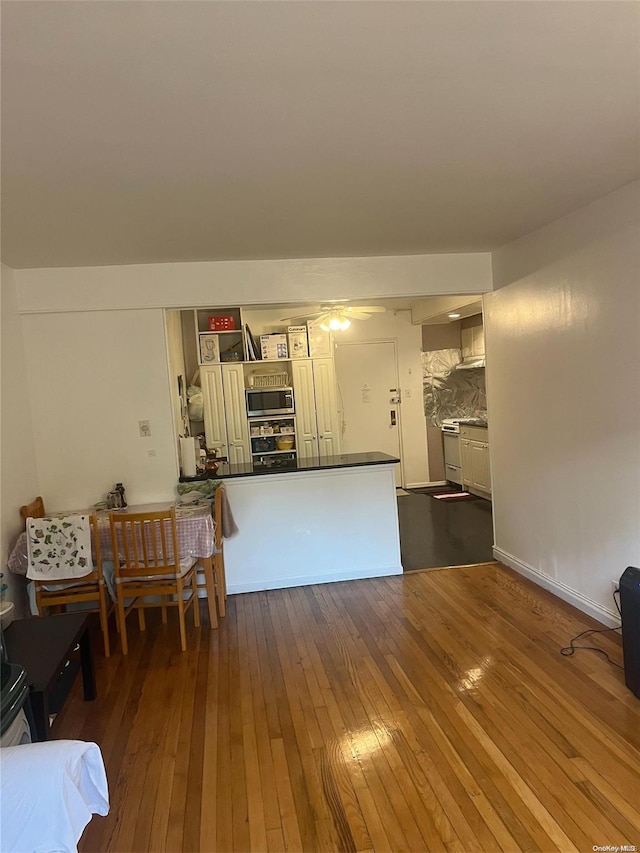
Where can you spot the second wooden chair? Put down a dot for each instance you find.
(148, 564)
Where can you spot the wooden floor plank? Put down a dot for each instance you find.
(427, 712)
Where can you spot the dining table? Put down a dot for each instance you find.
(196, 538)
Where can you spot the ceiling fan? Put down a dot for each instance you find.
(333, 318)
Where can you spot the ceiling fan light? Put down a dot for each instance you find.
(335, 323)
(325, 326)
(344, 323)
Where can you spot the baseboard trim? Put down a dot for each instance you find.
(427, 485)
(566, 593)
(306, 580)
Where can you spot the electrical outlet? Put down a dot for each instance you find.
(615, 585)
(145, 429)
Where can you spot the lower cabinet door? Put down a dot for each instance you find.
(465, 459)
(481, 475)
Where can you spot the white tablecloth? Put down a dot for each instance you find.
(196, 533)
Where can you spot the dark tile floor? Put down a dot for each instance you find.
(437, 533)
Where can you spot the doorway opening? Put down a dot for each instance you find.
(437, 532)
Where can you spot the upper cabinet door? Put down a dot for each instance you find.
(215, 429)
(236, 413)
(472, 340)
(324, 377)
(305, 406)
(466, 338)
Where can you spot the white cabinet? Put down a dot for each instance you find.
(474, 455)
(472, 342)
(324, 379)
(235, 414)
(215, 428)
(317, 425)
(305, 405)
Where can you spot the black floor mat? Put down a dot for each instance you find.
(443, 533)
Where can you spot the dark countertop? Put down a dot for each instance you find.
(227, 471)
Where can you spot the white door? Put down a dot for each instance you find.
(367, 375)
(324, 380)
(236, 413)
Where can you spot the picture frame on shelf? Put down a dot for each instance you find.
(209, 348)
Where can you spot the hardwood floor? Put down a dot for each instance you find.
(425, 712)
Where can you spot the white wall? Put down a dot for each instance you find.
(93, 376)
(563, 377)
(19, 484)
(97, 358)
(184, 285)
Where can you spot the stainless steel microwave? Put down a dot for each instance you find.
(262, 402)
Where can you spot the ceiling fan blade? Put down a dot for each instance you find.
(357, 315)
(304, 316)
(369, 309)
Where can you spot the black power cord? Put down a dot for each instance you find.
(571, 649)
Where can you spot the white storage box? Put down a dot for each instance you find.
(274, 346)
(297, 339)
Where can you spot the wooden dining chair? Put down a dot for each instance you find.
(33, 510)
(219, 575)
(217, 559)
(148, 564)
(89, 588)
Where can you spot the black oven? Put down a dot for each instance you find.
(262, 402)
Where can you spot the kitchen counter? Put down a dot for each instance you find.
(227, 471)
(477, 422)
(319, 521)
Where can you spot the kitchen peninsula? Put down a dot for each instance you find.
(318, 520)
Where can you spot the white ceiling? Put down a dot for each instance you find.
(137, 132)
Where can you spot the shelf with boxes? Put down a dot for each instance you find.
(224, 335)
(273, 436)
(220, 335)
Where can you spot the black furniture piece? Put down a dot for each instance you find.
(630, 611)
(44, 646)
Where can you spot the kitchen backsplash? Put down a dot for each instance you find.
(451, 393)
